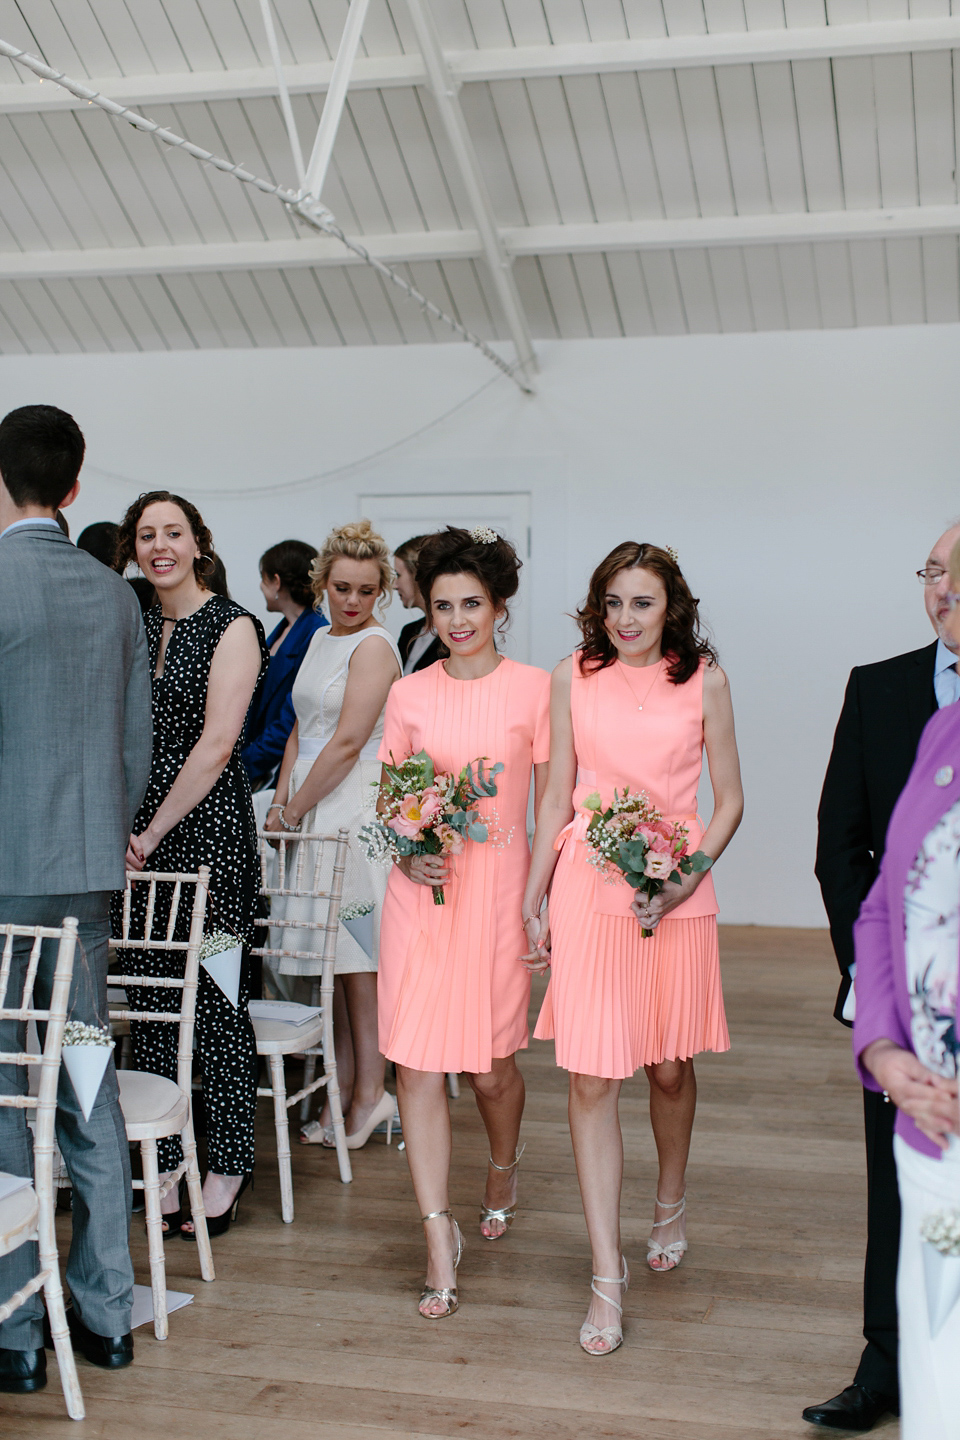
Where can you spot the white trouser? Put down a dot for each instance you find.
(929, 1365)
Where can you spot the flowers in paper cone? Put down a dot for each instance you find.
(220, 955)
(357, 919)
(424, 812)
(630, 838)
(86, 1052)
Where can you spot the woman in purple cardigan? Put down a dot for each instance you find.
(905, 1043)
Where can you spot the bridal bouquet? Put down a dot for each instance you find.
(632, 839)
(426, 813)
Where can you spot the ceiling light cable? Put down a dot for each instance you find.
(305, 207)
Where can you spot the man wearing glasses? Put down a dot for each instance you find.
(884, 711)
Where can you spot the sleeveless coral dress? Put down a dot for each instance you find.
(451, 991)
(616, 1001)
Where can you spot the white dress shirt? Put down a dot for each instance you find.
(45, 520)
(946, 681)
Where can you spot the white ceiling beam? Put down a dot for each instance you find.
(751, 47)
(335, 100)
(444, 91)
(321, 253)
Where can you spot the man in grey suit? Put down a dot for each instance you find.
(75, 744)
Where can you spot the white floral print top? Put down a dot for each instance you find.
(931, 907)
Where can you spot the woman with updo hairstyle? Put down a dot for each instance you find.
(452, 995)
(288, 592)
(327, 780)
(207, 655)
(633, 707)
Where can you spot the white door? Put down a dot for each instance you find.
(398, 517)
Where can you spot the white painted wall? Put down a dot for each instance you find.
(802, 478)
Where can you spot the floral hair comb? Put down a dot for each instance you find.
(483, 535)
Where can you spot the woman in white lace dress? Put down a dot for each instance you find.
(329, 779)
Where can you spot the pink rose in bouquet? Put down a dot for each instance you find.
(631, 840)
(415, 814)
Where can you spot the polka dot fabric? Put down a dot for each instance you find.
(220, 832)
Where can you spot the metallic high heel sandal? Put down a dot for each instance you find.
(673, 1252)
(507, 1213)
(611, 1335)
(448, 1294)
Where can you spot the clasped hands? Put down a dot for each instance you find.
(650, 909)
(929, 1099)
(139, 850)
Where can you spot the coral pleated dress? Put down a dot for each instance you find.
(452, 994)
(616, 1001)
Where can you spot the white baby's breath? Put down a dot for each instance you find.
(942, 1231)
(216, 943)
(357, 910)
(76, 1033)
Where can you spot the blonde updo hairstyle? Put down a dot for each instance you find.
(356, 541)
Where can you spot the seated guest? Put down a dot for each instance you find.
(74, 762)
(100, 541)
(906, 1045)
(288, 591)
(419, 645)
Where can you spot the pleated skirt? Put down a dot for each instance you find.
(615, 1001)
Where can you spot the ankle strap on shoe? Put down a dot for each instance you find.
(609, 1280)
(512, 1164)
(672, 1205)
(436, 1214)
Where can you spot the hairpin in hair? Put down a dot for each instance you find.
(483, 535)
(673, 554)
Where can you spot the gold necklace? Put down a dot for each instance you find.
(623, 671)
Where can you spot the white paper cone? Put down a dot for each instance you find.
(85, 1066)
(362, 931)
(225, 970)
(941, 1275)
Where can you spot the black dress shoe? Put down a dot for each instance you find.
(853, 1409)
(112, 1352)
(22, 1371)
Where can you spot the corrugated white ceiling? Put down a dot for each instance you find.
(576, 166)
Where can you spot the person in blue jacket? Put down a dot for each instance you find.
(285, 583)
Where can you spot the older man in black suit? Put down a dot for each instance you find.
(884, 712)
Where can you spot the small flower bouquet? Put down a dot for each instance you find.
(941, 1266)
(86, 1051)
(426, 813)
(220, 955)
(632, 839)
(357, 918)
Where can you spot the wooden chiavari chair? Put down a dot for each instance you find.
(294, 872)
(155, 1107)
(30, 1213)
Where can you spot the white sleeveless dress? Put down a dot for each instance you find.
(318, 694)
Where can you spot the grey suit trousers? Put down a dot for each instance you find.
(99, 1271)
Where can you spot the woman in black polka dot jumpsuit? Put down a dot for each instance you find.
(207, 655)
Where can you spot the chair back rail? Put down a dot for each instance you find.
(164, 941)
(45, 1104)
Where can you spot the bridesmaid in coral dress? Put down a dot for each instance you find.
(451, 993)
(634, 706)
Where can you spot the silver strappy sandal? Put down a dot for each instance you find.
(448, 1293)
(611, 1335)
(506, 1213)
(675, 1251)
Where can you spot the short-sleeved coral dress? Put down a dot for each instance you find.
(452, 993)
(616, 1001)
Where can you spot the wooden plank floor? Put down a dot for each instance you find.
(311, 1332)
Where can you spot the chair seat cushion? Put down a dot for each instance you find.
(279, 1037)
(152, 1106)
(18, 1218)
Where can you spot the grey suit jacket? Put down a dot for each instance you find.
(76, 732)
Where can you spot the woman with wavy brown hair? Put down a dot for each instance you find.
(634, 706)
(207, 656)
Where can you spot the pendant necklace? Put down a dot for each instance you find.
(623, 671)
